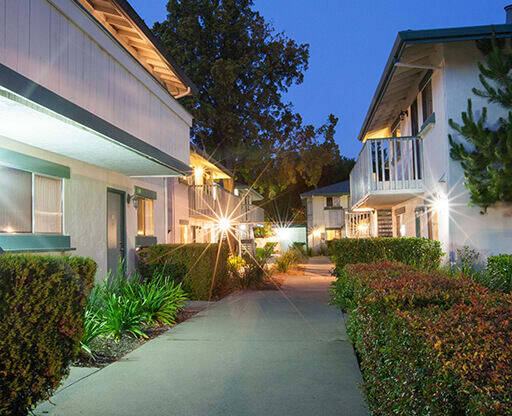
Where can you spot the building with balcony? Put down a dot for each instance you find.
(90, 129)
(206, 197)
(326, 209)
(404, 182)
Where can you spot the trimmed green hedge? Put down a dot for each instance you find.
(42, 304)
(428, 344)
(419, 252)
(198, 260)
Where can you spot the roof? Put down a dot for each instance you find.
(340, 188)
(412, 47)
(206, 159)
(243, 187)
(129, 30)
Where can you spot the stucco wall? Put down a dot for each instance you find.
(490, 233)
(56, 44)
(85, 205)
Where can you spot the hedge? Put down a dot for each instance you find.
(428, 344)
(42, 304)
(420, 252)
(199, 262)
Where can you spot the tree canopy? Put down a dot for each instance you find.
(243, 67)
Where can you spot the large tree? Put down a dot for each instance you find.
(243, 67)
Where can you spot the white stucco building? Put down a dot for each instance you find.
(325, 213)
(90, 129)
(201, 203)
(404, 168)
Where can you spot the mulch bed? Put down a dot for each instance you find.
(106, 350)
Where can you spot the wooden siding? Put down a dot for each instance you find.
(57, 45)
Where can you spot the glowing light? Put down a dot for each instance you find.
(402, 230)
(243, 227)
(317, 232)
(9, 230)
(198, 175)
(283, 233)
(441, 203)
(363, 227)
(224, 224)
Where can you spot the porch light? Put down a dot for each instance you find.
(243, 227)
(198, 174)
(224, 224)
(283, 233)
(363, 228)
(317, 232)
(9, 230)
(441, 203)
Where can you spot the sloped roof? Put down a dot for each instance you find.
(340, 188)
(412, 53)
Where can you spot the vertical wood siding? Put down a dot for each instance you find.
(38, 41)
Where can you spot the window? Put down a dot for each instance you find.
(145, 220)
(426, 101)
(183, 234)
(31, 203)
(328, 201)
(333, 235)
(414, 118)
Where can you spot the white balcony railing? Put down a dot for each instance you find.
(252, 214)
(212, 201)
(334, 217)
(387, 166)
(360, 224)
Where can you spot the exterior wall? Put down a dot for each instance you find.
(85, 205)
(316, 221)
(57, 44)
(178, 209)
(490, 233)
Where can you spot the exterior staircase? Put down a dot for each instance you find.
(384, 223)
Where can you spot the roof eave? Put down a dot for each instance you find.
(427, 36)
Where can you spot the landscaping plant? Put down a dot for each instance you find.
(288, 260)
(428, 344)
(419, 252)
(42, 308)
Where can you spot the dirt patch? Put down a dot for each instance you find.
(107, 350)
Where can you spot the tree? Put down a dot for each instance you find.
(242, 68)
(487, 161)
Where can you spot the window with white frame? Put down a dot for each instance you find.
(31, 203)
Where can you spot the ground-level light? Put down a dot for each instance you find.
(224, 224)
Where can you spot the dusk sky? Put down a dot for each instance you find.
(350, 42)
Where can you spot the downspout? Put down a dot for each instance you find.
(187, 92)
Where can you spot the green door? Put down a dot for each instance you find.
(115, 228)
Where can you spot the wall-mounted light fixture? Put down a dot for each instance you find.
(133, 198)
(403, 114)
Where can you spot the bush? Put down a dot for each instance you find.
(206, 266)
(428, 344)
(253, 273)
(498, 273)
(420, 252)
(288, 260)
(42, 307)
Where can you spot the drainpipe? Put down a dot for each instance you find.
(508, 10)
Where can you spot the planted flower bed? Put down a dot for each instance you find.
(428, 344)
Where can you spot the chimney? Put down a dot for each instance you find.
(508, 10)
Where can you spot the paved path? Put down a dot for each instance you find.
(255, 353)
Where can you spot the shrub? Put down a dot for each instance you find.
(288, 260)
(42, 306)
(301, 248)
(428, 343)
(253, 273)
(206, 266)
(270, 246)
(498, 273)
(420, 252)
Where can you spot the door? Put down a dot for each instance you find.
(115, 228)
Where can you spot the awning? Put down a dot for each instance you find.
(34, 115)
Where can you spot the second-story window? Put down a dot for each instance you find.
(329, 201)
(414, 118)
(426, 101)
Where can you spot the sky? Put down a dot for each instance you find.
(350, 41)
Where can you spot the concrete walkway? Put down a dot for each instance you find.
(254, 353)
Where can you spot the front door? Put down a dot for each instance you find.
(115, 229)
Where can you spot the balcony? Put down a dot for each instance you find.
(334, 217)
(212, 201)
(387, 172)
(252, 214)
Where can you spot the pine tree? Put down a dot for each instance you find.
(486, 157)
